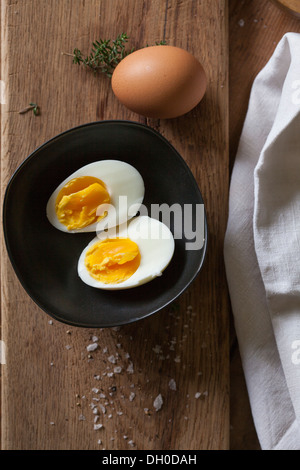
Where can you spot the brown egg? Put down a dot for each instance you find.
(159, 82)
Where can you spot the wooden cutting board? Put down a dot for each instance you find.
(50, 382)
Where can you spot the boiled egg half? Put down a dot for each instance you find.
(99, 195)
(127, 256)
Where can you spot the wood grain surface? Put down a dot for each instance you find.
(293, 6)
(50, 383)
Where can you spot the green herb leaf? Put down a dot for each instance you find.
(105, 54)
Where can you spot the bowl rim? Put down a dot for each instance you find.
(21, 277)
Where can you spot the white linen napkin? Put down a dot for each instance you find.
(262, 248)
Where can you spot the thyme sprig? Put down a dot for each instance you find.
(105, 54)
(32, 106)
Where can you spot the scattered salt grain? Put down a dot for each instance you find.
(241, 23)
(95, 339)
(130, 368)
(92, 347)
(198, 395)
(95, 390)
(50, 322)
(98, 426)
(158, 402)
(118, 370)
(81, 418)
(68, 347)
(112, 359)
(102, 408)
(132, 396)
(157, 349)
(172, 384)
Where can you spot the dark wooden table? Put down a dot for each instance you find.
(255, 28)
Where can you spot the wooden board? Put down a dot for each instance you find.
(49, 380)
(292, 6)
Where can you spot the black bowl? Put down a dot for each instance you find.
(45, 259)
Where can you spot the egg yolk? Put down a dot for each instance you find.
(78, 200)
(113, 260)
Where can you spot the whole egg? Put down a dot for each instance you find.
(159, 82)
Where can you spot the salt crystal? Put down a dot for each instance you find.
(98, 426)
(81, 418)
(112, 359)
(102, 408)
(95, 339)
(92, 347)
(172, 384)
(158, 402)
(50, 322)
(118, 370)
(157, 349)
(197, 395)
(95, 390)
(68, 347)
(131, 443)
(130, 368)
(241, 23)
(132, 396)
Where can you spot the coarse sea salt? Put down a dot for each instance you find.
(92, 347)
(158, 402)
(172, 384)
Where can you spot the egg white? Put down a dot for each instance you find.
(156, 245)
(124, 184)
